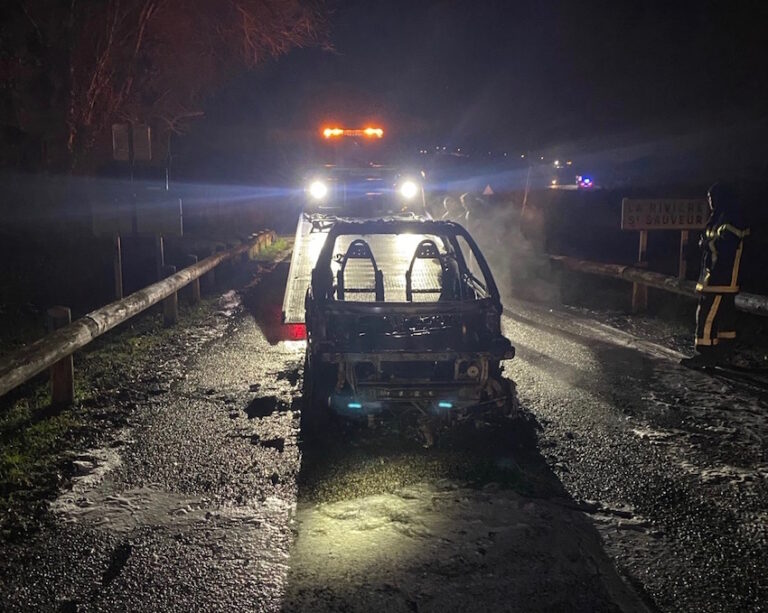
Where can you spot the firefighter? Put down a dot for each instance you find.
(454, 210)
(721, 244)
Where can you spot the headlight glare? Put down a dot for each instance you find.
(409, 190)
(318, 190)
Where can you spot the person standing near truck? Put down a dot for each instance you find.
(722, 245)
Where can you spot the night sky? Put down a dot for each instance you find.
(516, 74)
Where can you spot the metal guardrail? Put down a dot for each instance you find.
(59, 345)
(749, 303)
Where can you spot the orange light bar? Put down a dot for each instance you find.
(369, 132)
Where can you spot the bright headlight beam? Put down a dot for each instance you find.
(408, 190)
(318, 190)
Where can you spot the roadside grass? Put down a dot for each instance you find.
(29, 445)
(277, 247)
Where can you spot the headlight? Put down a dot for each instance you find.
(318, 190)
(408, 190)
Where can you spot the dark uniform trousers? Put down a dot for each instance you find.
(718, 286)
(715, 319)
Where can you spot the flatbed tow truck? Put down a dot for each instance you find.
(345, 190)
(306, 247)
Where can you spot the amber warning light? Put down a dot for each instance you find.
(369, 132)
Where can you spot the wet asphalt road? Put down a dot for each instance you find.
(675, 460)
(627, 484)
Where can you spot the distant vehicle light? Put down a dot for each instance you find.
(370, 132)
(318, 190)
(409, 190)
(585, 181)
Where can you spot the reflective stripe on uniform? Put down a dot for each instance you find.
(726, 227)
(707, 333)
(728, 334)
(717, 289)
(713, 234)
(706, 341)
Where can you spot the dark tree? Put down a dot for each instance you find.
(72, 68)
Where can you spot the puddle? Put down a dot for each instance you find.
(116, 563)
(654, 436)
(292, 376)
(94, 464)
(264, 406)
(273, 443)
(128, 510)
(725, 473)
(229, 304)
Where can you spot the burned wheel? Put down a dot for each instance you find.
(502, 394)
(316, 391)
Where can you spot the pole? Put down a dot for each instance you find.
(62, 373)
(194, 286)
(159, 255)
(681, 263)
(117, 253)
(640, 291)
(171, 303)
(525, 195)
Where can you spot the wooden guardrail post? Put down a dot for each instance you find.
(62, 373)
(194, 285)
(171, 303)
(224, 268)
(640, 291)
(255, 246)
(159, 255)
(209, 278)
(117, 255)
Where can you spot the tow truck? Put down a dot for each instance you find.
(354, 185)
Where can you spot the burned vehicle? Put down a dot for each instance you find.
(403, 315)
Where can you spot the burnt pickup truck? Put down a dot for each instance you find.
(403, 315)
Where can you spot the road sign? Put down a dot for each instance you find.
(121, 141)
(142, 143)
(664, 214)
(162, 216)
